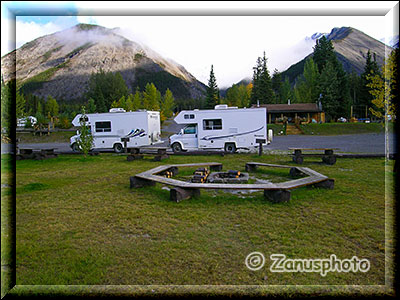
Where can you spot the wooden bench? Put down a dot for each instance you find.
(135, 153)
(328, 156)
(38, 154)
(274, 192)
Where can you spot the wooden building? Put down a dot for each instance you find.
(307, 112)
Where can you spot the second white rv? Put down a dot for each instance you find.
(225, 128)
(139, 128)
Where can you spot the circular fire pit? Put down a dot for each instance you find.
(228, 177)
(274, 192)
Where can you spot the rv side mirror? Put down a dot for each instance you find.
(181, 132)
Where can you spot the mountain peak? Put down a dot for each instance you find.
(339, 33)
(60, 64)
(87, 27)
(351, 47)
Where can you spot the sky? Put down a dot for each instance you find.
(228, 35)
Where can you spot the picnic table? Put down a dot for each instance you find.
(328, 155)
(29, 153)
(135, 153)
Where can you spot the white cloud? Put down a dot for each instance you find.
(231, 43)
(28, 31)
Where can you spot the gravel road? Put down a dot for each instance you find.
(355, 143)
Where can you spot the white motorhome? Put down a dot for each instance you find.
(139, 128)
(227, 128)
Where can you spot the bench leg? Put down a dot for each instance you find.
(216, 168)
(179, 194)
(326, 184)
(298, 159)
(136, 182)
(250, 168)
(132, 157)
(294, 172)
(277, 196)
(329, 159)
(161, 157)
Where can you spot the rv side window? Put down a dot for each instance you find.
(215, 124)
(190, 129)
(188, 116)
(103, 126)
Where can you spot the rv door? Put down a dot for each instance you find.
(189, 136)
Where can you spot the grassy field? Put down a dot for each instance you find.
(343, 128)
(335, 128)
(53, 137)
(79, 223)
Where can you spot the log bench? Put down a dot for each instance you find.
(328, 157)
(135, 153)
(37, 154)
(274, 192)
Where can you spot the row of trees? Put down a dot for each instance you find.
(106, 90)
(323, 79)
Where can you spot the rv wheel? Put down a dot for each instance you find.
(118, 148)
(230, 148)
(176, 147)
(75, 147)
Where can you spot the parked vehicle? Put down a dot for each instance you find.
(139, 128)
(342, 119)
(225, 128)
(23, 121)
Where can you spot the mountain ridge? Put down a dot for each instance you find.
(60, 64)
(351, 47)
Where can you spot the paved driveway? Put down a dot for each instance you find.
(357, 143)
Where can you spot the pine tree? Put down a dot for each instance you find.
(7, 92)
(232, 96)
(51, 108)
(167, 104)
(105, 88)
(19, 105)
(129, 103)
(371, 68)
(286, 92)
(306, 90)
(329, 88)
(323, 52)
(137, 101)
(151, 97)
(91, 106)
(262, 86)
(85, 141)
(212, 91)
(276, 84)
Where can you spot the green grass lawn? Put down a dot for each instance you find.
(79, 223)
(336, 128)
(53, 137)
(343, 128)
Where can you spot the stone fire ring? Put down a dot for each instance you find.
(274, 192)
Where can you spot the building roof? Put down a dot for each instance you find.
(295, 107)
